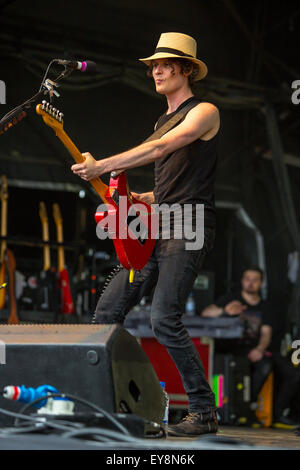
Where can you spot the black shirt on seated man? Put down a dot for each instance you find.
(255, 314)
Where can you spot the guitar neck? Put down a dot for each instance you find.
(46, 248)
(60, 249)
(97, 184)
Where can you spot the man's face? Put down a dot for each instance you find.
(251, 282)
(167, 76)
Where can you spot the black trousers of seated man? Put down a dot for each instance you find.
(259, 370)
(287, 381)
(259, 373)
(172, 269)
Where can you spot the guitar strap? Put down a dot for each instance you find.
(166, 127)
(172, 122)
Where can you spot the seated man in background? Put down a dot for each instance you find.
(255, 312)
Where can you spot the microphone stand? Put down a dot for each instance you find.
(17, 114)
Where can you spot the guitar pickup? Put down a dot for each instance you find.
(115, 197)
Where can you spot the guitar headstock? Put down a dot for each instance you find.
(3, 188)
(43, 212)
(57, 214)
(51, 116)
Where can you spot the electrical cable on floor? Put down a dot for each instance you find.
(40, 426)
(73, 429)
(80, 400)
(101, 431)
(105, 433)
(36, 419)
(24, 429)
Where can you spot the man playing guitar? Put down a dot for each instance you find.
(185, 165)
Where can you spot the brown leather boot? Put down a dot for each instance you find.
(194, 424)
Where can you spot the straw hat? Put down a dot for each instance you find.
(177, 45)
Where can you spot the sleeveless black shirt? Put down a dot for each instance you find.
(187, 175)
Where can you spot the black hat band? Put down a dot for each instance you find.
(172, 51)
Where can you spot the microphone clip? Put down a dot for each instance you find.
(49, 85)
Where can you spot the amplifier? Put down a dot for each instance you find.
(232, 388)
(100, 363)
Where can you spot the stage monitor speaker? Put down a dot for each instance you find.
(100, 363)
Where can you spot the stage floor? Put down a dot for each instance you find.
(266, 437)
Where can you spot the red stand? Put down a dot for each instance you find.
(167, 371)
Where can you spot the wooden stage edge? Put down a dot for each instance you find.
(264, 437)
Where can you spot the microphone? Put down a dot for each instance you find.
(85, 66)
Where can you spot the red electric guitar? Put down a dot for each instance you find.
(67, 305)
(133, 247)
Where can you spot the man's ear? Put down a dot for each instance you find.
(188, 73)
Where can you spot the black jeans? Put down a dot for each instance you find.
(259, 373)
(288, 383)
(172, 270)
(259, 370)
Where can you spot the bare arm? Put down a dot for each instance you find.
(148, 198)
(265, 338)
(212, 311)
(232, 308)
(257, 353)
(201, 119)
